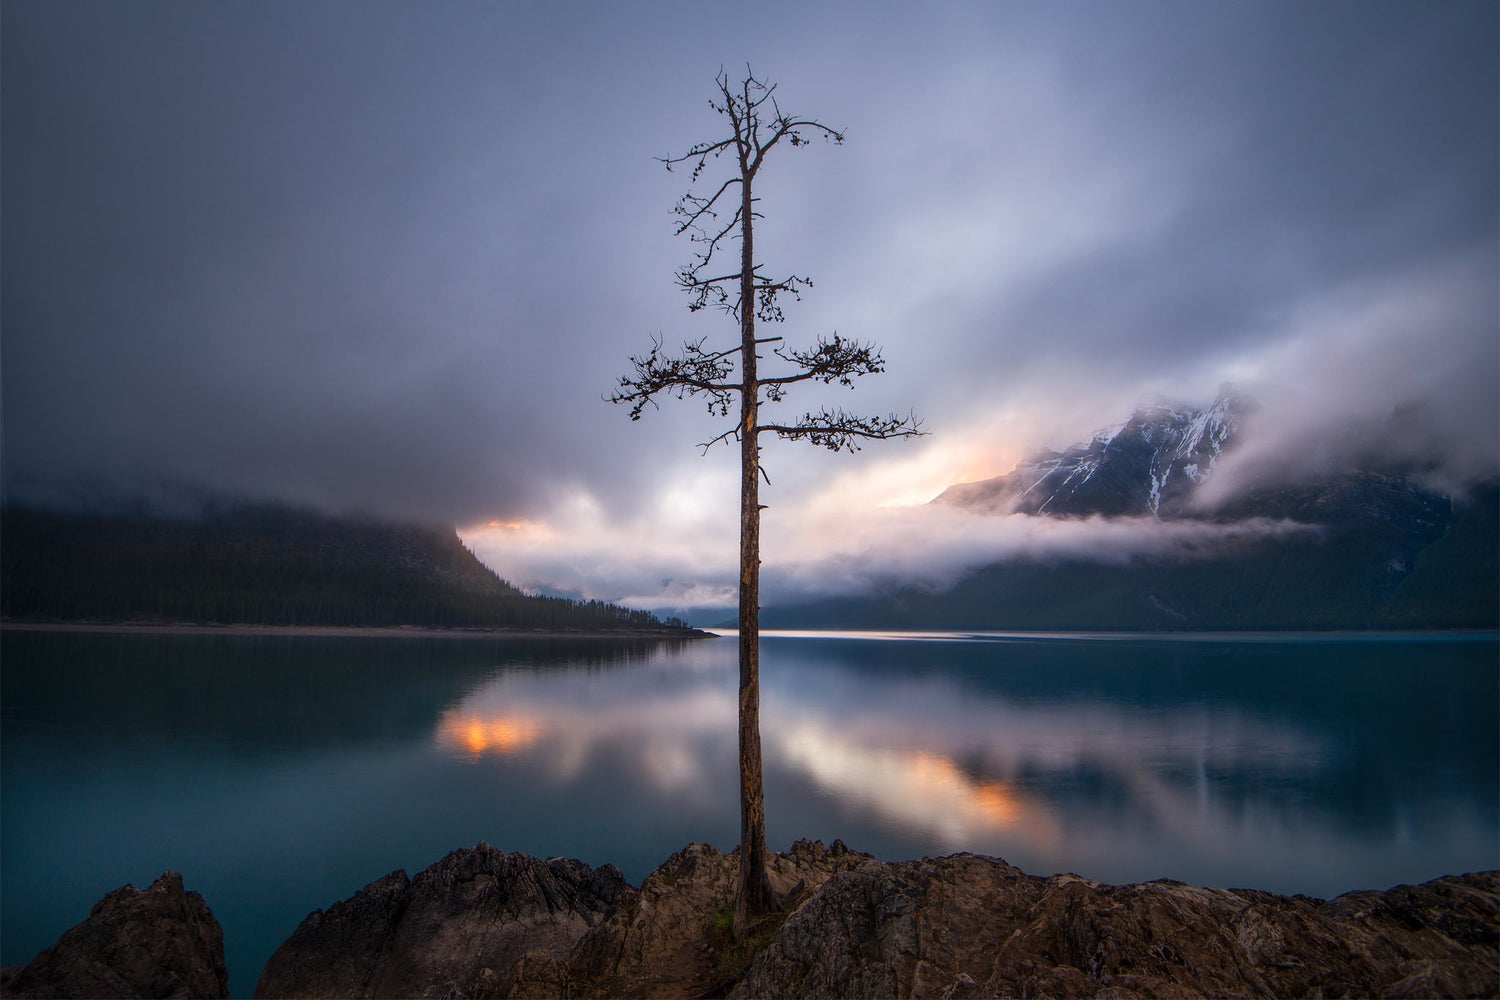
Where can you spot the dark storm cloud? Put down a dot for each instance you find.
(1152, 198)
(314, 252)
(1300, 147)
(390, 255)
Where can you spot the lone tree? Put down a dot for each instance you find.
(713, 222)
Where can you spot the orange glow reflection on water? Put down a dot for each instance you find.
(920, 788)
(995, 803)
(476, 735)
(981, 804)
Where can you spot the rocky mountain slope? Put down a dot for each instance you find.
(1364, 546)
(484, 923)
(1151, 464)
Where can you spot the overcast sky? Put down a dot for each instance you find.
(389, 257)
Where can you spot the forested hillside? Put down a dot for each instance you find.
(265, 564)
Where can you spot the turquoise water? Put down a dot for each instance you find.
(282, 774)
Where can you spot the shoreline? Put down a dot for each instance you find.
(347, 631)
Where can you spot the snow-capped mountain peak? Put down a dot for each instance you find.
(1150, 464)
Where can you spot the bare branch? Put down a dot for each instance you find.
(693, 372)
(838, 430)
(831, 360)
(791, 131)
(700, 152)
(733, 434)
(693, 207)
(706, 293)
(767, 308)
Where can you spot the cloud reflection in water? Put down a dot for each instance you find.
(918, 789)
(931, 757)
(572, 721)
(988, 774)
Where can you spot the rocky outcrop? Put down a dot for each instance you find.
(469, 926)
(671, 937)
(968, 926)
(161, 941)
(955, 927)
(484, 923)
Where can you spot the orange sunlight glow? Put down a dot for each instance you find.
(515, 526)
(993, 803)
(921, 787)
(475, 736)
(909, 477)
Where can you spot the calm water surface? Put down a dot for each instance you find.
(282, 774)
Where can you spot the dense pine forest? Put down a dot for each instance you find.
(267, 565)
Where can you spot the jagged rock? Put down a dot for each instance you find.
(337, 951)
(662, 940)
(161, 941)
(483, 923)
(468, 926)
(969, 926)
(917, 928)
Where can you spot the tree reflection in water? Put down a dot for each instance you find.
(1225, 761)
(279, 774)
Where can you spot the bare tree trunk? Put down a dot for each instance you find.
(754, 895)
(698, 371)
(706, 371)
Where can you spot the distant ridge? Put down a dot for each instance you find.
(266, 564)
(1374, 548)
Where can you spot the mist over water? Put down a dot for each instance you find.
(280, 775)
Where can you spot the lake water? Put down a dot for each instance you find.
(282, 774)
